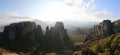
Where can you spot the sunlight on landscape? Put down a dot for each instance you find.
(59, 27)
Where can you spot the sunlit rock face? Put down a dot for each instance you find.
(116, 25)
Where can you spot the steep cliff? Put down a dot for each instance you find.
(57, 37)
(22, 36)
(105, 28)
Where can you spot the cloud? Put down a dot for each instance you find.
(74, 2)
(103, 14)
(11, 17)
(106, 14)
(76, 10)
(87, 6)
(65, 10)
(85, 11)
(90, 5)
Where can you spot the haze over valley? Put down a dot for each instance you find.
(59, 27)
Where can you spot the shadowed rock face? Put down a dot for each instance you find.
(24, 35)
(58, 37)
(106, 28)
(103, 29)
(21, 30)
(62, 35)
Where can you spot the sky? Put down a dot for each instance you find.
(59, 10)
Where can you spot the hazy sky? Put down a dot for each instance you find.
(59, 10)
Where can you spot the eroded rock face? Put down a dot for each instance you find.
(23, 35)
(20, 30)
(58, 37)
(61, 35)
(116, 27)
(106, 28)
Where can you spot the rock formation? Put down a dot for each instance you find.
(61, 36)
(57, 37)
(116, 26)
(25, 35)
(106, 28)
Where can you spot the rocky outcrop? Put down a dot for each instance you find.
(106, 28)
(61, 36)
(25, 35)
(22, 36)
(116, 26)
(57, 37)
(21, 30)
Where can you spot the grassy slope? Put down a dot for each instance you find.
(107, 46)
(77, 39)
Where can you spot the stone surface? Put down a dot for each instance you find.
(25, 35)
(116, 27)
(22, 36)
(105, 28)
(57, 37)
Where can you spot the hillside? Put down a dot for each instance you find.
(6, 52)
(107, 46)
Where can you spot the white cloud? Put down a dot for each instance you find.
(87, 6)
(13, 15)
(74, 2)
(10, 17)
(103, 14)
(76, 10)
